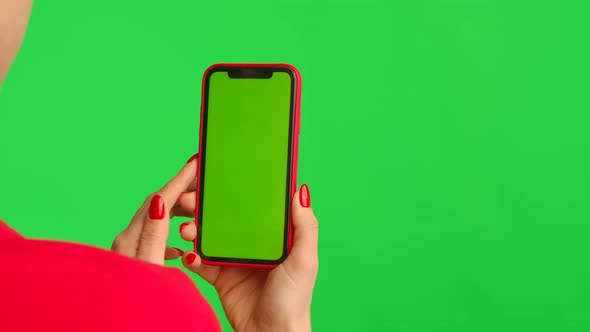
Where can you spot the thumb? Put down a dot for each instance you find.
(304, 254)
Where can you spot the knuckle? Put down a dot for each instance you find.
(311, 230)
(120, 240)
(149, 197)
(313, 224)
(148, 236)
(308, 266)
(306, 221)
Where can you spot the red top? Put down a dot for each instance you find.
(58, 286)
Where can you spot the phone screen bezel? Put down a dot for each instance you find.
(248, 72)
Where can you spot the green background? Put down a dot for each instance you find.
(245, 164)
(445, 143)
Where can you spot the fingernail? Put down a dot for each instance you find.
(304, 197)
(190, 258)
(157, 208)
(180, 251)
(192, 158)
(183, 225)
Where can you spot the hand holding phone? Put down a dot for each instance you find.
(276, 299)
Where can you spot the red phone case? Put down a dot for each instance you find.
(297, 77)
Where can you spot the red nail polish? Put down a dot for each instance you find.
(196, 155)
(180, 252)
(157, 210)
(190, 258)
(304, 197)
(183, 225)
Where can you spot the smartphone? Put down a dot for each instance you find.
(247, 171)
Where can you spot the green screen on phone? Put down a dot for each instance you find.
(245, 166)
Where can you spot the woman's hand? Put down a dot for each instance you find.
(253, 299)
(265, 300)
(146, 235)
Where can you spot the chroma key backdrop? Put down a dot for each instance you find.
(446, 144)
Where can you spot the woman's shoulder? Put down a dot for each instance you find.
(79, 287)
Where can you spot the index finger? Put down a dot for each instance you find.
(179, 183)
